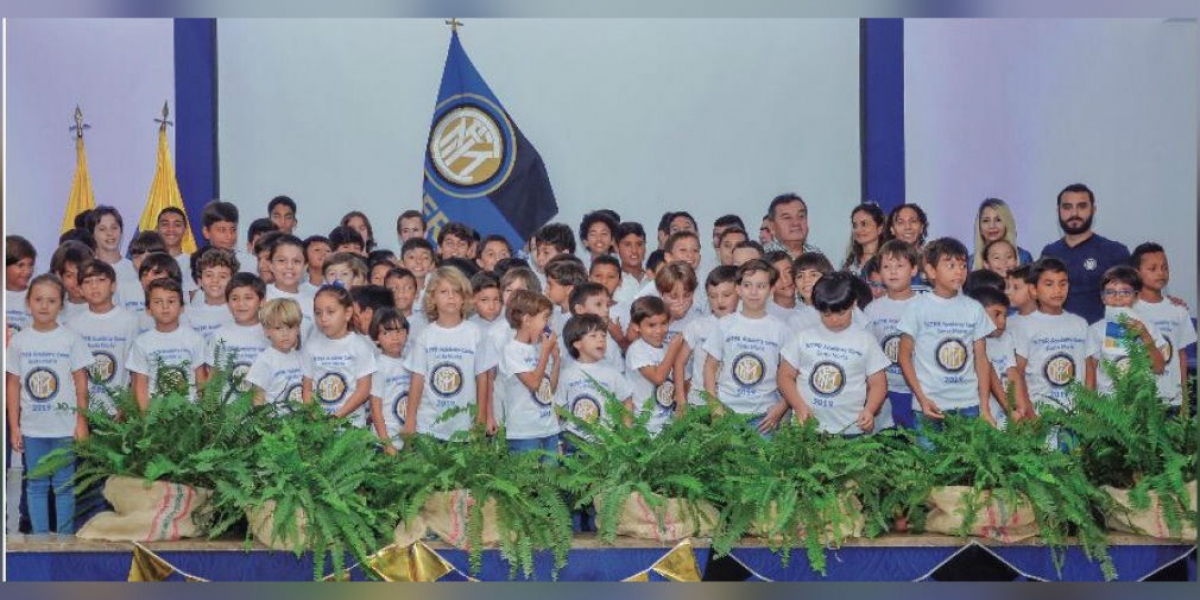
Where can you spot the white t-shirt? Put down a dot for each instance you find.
(661, 397)
(581, 396)
(242, 345)
(416, 323)
(206, 319)
(184, 260)
(780, 312)
(527, 415)
(1105, 343)
(306, 308)
(1176, 328)
(944, 331)
(449, 360)
(129, 294)
(1055, 348)
(335, 366)
(280, 375)
(627, 291)
(71, 310)
(833, 370)
(181, 352)
(247, 262)
(390, 384)
(1002, 356)
(882, 315)
(16, 316)
(109, 336)
(480, 322)
(45, 361)
(695, 334)
(748, 350)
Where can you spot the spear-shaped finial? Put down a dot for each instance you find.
(454, 24)
(163, 122)
(79, 125)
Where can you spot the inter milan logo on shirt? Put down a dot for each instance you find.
(172, 380)
(471, 146)
(544, 394)
(664, 395)
(238, 377)
(294, 394)
(952, 355)
(400, 406)
(42, 384)
(446, 380)
(891, 347)
(1169, 353)
(827, 378)
(1090, 264)
(586, 409)
(1059, 370)
(331, 387)
(104, 366)
(748, 369)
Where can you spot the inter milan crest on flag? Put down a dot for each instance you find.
(479, 169)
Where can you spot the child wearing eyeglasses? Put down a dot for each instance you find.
(1120, 287)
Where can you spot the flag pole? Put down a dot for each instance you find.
(163, 122)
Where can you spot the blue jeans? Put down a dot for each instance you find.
(39, 489)
(902, 410)
(754, 422)
(549, 444)
(925, 423)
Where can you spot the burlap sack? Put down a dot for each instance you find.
(851, 524)
(156, 512)
(638, 519)
(995, 518)
(1148, 522)
(446, 514)
(262, 526)
(408, 533)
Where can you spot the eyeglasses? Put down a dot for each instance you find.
(1117, 293)
(876, 285)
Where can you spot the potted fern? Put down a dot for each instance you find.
(1144, 458)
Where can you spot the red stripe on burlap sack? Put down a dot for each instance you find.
(160, 522)
(669, 527)
(189, 494)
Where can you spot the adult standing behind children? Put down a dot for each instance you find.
(1086, 253)
(789, 217)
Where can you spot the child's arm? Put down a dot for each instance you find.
(483, 399)
(141, 389)
(618, 335)
(1024, 402)
(201, 375)
(260, 396)
(997, 389)
(12, 395)
(711, 367)
(80, 377)
(362, 391)
(379, 426)
(876, 394)
(983, 377)
(488, 403)
(657, 374)
(786, 380)
(1157, 363)
(1183, 383)
(1089, 373)
(532, 380)
(681, 381)
(928, 407)
(306, 389)
(416, 386)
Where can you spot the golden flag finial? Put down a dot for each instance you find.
(454, 24)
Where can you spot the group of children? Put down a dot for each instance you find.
(394, 342)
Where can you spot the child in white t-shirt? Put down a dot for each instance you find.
(835, 371)
(65, 263)
(289, 267)
(528, 374)
(577, 393)
(1051, 344)
(742, 362)
(19, 257)
(448, 361)
(170, 357)
(208, 311)
(241, 342)
(1171, 320)
(500, 332)
(1002, 356)
(390, 384)
(942, 352)
(1106, 337)
(485, 289)
(897, 267)
(107, 329)
(721, 288)
(650, 360)
(593, 299)
(277, 374)
(46, 395)
(338, 364)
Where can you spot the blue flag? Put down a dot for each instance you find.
(479, 169)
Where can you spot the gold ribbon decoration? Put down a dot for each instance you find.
(415, 562)
(677, 565)
(148, 566)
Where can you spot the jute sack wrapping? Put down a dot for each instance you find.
(995, 516)
(639, 520)
(447, 514)
(851, 523)
(1150, 521)
(148, 512)
(262, 526)
(408, 533)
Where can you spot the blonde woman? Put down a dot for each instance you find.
(995, 221)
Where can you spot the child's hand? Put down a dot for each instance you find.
(931, 410)
(771, 420)
(1177, 301)
(866, 421)
(81, 430)
(389, 449)
(1136, 326)
(17, 441)
(410, 429)
(491, 425)
(987, 416)
(549, 343)
(803, 414)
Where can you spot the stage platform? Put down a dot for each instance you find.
(888, 558)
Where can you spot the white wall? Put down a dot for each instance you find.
(118, 71)
(1018, 109)
(641, 116)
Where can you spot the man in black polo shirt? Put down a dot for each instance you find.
(1086, 253)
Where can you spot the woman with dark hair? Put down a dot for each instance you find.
(359, 222)
(866, 236)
